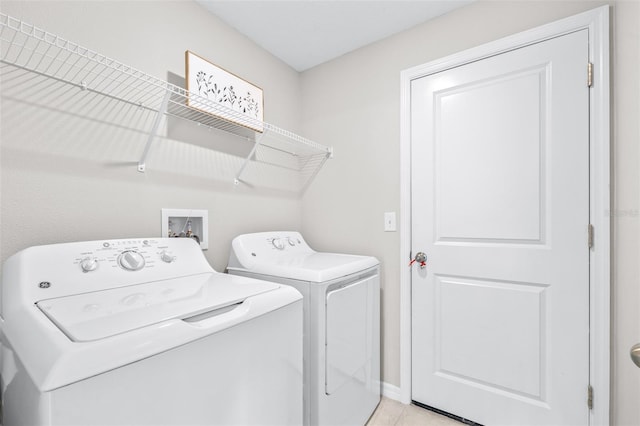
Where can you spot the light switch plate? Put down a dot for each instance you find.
(390, 222)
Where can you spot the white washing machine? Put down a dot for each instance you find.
(341, 320)
(145, 332)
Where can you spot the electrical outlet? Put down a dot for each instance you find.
(390, 222)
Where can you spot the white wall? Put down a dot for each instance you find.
(353, 103)
(66, 179)
(625, 210)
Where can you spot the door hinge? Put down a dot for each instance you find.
(590, 236)
(590, 397)
(589, 74)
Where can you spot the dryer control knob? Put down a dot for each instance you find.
(291, 241)
(89, 264)
(278, 243)
(131, 260)
(166, 257)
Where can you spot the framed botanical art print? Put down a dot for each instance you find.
(220, 87)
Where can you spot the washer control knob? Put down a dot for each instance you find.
(291, 241)
(131, 260)
(166, 257)
(278, 243)
(89, 264)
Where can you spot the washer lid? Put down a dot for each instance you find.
(100, 314)
(314, 266)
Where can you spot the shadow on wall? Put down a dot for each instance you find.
(66, 129)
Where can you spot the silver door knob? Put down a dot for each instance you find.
(635, 354)
(420, 259)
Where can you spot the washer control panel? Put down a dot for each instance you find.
(80, 267)
(129, 255)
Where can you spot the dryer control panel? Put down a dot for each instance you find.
(279, 240)
(284, 240)
(274, 248)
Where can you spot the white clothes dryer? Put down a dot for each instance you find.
(145, 332)
(341, 320)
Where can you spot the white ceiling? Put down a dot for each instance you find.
(306, 33)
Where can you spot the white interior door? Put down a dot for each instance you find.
(500, 205)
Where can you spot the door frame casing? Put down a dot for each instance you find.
(596, 21)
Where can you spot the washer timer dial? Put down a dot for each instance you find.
(131, 260)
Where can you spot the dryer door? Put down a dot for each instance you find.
(350, 333)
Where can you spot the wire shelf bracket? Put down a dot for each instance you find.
(160, 117)
(237, 180)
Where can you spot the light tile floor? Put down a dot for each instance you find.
(394, 413)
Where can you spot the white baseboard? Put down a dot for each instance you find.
(391, 391)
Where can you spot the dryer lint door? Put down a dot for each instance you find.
(350, 320)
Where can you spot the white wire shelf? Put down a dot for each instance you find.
(25, 48)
